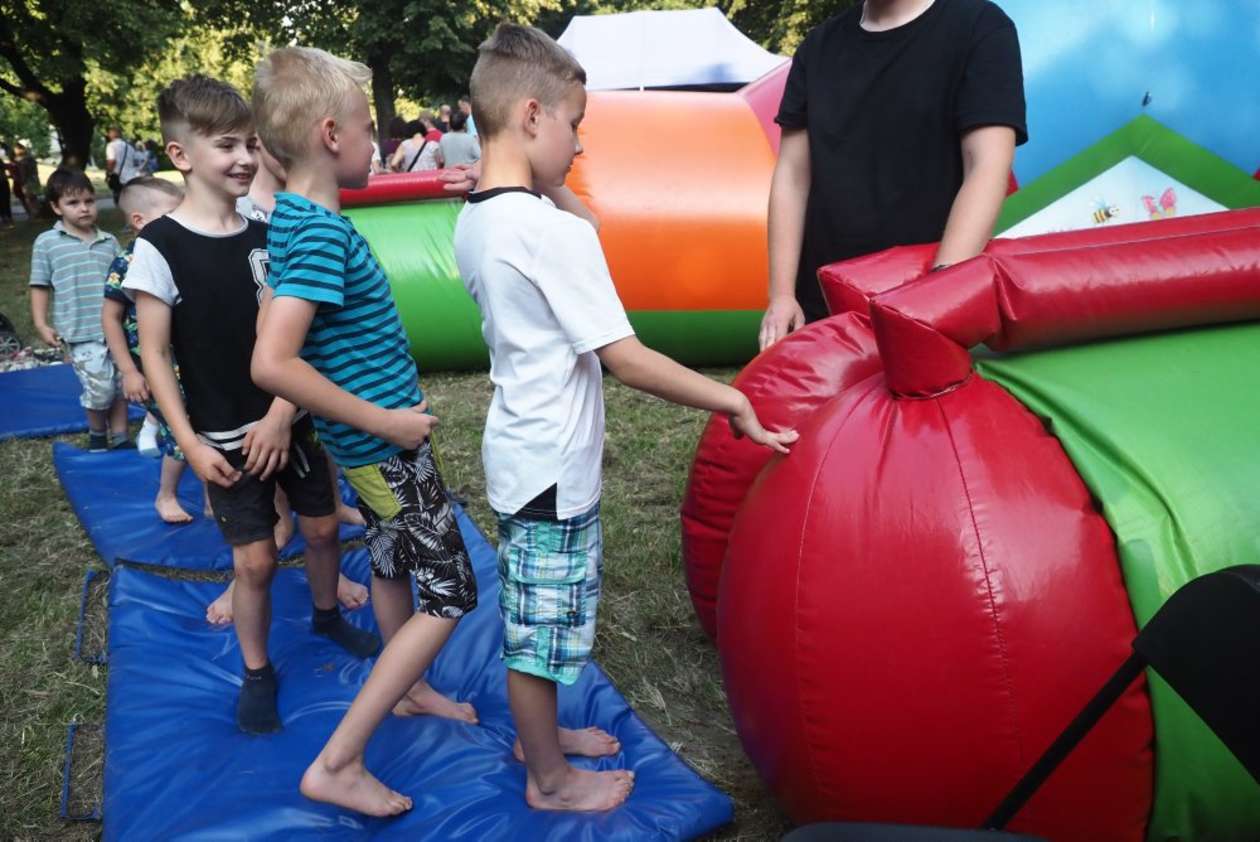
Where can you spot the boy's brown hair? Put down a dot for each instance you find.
(203, 105)
(65, 182)
(515, 63)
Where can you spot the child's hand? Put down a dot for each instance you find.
(409, 427)
(135, 387)
(746, 423)
(461, 178)
(49, 335)
(210, 465)
(266, 446)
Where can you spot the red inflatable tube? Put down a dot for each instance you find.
(926, 327)
(850, 284)
(785, 385)
(399, 187)
(914, 604)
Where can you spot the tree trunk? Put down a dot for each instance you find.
(382, 93)
(69, 113)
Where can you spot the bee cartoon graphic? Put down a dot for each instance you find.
(1104, 212)
(1166, 207)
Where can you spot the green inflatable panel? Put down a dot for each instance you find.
(414, 244)
(1165, 431)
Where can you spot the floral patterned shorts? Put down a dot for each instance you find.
(411, 530)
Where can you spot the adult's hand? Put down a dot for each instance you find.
(783, 316)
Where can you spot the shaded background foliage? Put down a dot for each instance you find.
(82, 65)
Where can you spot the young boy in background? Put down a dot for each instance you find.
(530, 256)
(198, 275)
(142, 200)
(68, 268)
(332, 341)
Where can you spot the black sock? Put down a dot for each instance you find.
(356, 641)
(117, 440)
(256, 706)
(98, 440)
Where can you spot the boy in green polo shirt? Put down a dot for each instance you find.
(68, 268)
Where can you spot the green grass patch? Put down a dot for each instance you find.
(648, 641)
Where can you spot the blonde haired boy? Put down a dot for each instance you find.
(529, 254)
(331, 341)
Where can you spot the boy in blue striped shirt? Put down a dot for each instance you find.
(331, 341)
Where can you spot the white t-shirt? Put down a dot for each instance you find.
(128, 163)
(427, 151)
(547, 303)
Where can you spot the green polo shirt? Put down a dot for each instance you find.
(75, 270)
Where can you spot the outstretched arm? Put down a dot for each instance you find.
(987, 155)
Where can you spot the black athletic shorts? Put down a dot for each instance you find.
(246, 512)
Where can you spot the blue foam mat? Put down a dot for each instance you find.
(112, 494)
(176, 767)
(44, 401)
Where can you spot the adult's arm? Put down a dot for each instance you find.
(987, 153)
(789, 194)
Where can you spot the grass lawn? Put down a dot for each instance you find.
(649, 641)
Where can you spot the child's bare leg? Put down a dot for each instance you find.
(206, 510)
(551, 783)
(284, 526)
(583, 742)
(345, 514)
(219, 612)
(350, 593)
(255, 565)
(167, 504)
(338, 775)
(394, 606)
(323, 562)
(118, 417)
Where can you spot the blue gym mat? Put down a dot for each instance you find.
(112, 494)
(176, 767)
(44, 401)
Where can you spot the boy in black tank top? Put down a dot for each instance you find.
(198, 277)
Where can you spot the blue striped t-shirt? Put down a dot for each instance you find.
(356, 339)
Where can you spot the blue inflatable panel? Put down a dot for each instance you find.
(176, 767)
(112, 494)
(44, 401)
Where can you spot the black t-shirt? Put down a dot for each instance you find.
(885, 113)
(213, 284)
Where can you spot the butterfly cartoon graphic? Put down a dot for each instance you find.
(1166, 207)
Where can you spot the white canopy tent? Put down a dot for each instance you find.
(668, 49)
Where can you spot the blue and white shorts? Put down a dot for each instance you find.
(550, 573)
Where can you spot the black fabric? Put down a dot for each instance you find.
(885, 113)
(256, 705)
(499, 191)
(219, 280)
(246, 512)
(542, 507)
(358, 642)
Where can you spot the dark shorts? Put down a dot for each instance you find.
(411, 530)
(246, 512)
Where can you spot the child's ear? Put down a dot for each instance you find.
(136, 220)
(532, 116)
(328, 131)
(179, 158)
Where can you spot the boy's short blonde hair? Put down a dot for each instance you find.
(143, 192)
(201, 104)
(515, 63)
(295, 88)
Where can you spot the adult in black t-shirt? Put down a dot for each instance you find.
(900, 120)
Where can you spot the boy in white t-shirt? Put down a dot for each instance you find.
(528, 252)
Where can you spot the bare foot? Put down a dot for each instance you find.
(582, 790)
(349, 515)
(422, 700)
(284, 531)
(353, 787)
(219, 612)
(587, 742)
(350, 593)
(170, 511)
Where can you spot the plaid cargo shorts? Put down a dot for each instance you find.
(550, 573)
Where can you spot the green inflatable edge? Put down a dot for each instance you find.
(414, 243)
(1163, 429)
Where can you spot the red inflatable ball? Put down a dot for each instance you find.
(916, 601)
